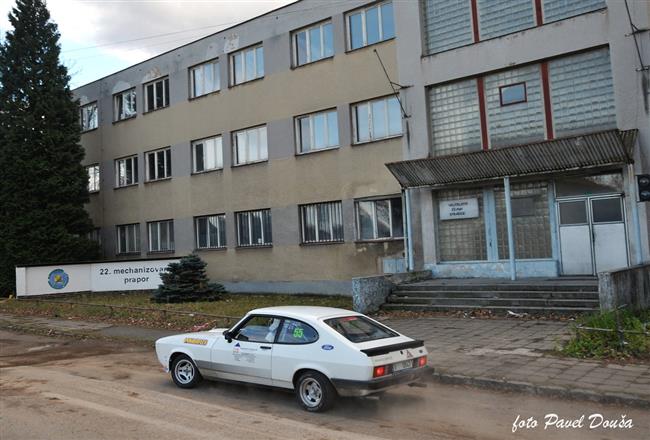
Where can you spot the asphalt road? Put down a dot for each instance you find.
(54, 388)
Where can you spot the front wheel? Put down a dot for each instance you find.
(184, 372)
(315, 392)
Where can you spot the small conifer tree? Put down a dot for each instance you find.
(186, 281)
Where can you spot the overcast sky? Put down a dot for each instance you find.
(93, 32)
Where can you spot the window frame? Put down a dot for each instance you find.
(298, 131)
(232, 82)
(223, 245)
(134, 168)
(374, 201)
(234, 143)
(294, 42)
(96, 177)
(363, 10)
(285, 319)
(217, 69)
(354, 124)
(137, 239)
(84, 121)
(116, 110)
(265, 243)
(166, 93)
(167, 164)
(505, 86)
(170, 236)
(196, 142)
(318, 241)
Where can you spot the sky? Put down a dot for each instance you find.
(99, 37)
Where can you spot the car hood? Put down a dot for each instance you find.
(209, 335)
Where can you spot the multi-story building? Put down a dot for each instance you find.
(262, 147)
(528, 122)
(510, 127)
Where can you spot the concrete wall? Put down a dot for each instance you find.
(628, 287)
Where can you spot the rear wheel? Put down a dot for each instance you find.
(184, 372)
(315, 392)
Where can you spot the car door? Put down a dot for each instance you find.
(247, 356)
(294, 345)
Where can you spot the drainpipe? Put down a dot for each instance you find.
(511, 239)
(408, 236)
(636, 224)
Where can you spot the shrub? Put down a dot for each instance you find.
(600, 344)
(186, 281)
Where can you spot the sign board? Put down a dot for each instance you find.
(93, 277)
(458, 209)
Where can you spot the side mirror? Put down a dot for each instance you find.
(228, 336)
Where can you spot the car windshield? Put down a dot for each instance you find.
(360, 329)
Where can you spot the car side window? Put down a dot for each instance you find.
(296, 332)
(258, 329)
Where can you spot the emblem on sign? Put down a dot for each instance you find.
(58, 279)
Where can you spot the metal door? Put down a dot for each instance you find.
(608, 232)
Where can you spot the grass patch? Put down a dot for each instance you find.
(599, 344)
(232, 305)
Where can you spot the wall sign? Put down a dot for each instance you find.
(458, 209)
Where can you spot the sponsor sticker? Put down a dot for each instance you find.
(196, 341)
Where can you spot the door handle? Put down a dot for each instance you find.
(265, 347)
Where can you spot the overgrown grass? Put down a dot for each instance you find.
(232, 305)
(599, 344)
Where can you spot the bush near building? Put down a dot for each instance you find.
(186, 281)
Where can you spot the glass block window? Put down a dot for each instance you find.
(516, 122)
(126, 171)
(447, 24)
(128, 238)
(377, 119)
(124, 105)
(379, 219)
(93, 177)
(159, 164)
(580, 101)
(559, 9)
(210, 231)
(313, 44)
(204, 79)
(156, 94)
(321, 222)
(254, 228)
(88, 116)
(462, 239)
(250, 145)
(247, 65)
(498, 18)
(161, 236)
(207, 154)
(455, 119)
(317, 131)
(530, 221)
(370, 25)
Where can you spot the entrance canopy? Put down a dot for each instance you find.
(595, 150)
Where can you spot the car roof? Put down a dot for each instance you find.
(304, 312)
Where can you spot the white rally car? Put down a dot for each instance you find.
(320, 352)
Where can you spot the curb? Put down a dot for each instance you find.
(542, 390)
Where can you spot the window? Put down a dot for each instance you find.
(512, 94)
(258, 329)
(95, 235)
(370, 25)
(93, 178)
(250, 145)
(159, 164)
(207, 154)
(204, 79)
(317, 131)
(321, 222)
(313, 44)
(161, 236)
(128, 239)
(359, 329)
(377, 119)
(296, 332)
(378, 219)
(254, 228)
(247, 65)
(156, 94)
(126, 171)
(210, 231)
(124, 105)
(89, 118)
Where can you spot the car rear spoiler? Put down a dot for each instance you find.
(370, 352)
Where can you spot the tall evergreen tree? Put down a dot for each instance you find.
(43, 186)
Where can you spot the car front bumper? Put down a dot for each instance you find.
(360, 388)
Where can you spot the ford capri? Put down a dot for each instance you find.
(318, 352)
